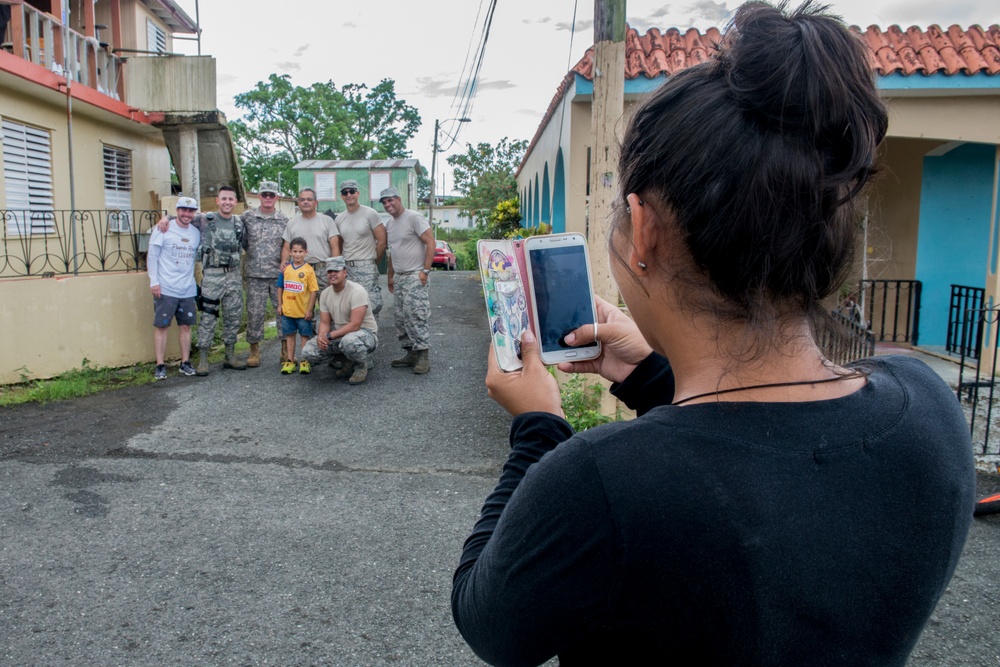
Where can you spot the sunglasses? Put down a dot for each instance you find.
(268, 195)
(348, 191)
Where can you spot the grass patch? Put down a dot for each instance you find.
(73, 384)
(88, 380)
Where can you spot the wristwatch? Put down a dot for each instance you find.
(425, 271)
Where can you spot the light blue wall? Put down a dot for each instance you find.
(546, 198)
(956, 198)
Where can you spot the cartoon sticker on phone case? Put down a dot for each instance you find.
(505, 302)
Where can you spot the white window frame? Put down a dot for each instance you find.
(156, 37)
(118, 188)
(375, 187)
(27, 168)
(325, 185)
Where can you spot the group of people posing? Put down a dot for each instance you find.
(294, 263)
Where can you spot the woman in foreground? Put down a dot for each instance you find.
(767, 507)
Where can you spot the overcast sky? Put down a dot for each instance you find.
(424, 45)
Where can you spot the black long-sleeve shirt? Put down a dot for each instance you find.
(816, 533)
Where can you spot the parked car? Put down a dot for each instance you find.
(444, 257)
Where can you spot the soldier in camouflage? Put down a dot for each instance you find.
(222, 239)
(263, 227)
(346, 325)
(362, 242)
(411, 252)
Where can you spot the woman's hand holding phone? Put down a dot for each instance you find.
(531, 389)
(622, 345)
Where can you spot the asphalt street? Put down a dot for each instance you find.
(250, 518)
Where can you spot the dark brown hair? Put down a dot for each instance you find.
(757, 156)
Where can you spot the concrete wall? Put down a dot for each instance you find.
(51, 324)
(171, 84)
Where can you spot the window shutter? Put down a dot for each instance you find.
(156, 39)
(326, 186)
(118, 188)
(27, 166)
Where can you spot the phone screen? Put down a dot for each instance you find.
(562, 294)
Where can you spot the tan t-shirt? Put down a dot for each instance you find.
(316, 231)
(357, 233)
(340, 305)
(405, 245)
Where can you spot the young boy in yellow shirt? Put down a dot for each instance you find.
(297, 290)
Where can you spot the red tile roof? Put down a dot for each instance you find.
(913, 51)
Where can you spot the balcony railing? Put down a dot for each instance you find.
(40, 243)
(43, 40)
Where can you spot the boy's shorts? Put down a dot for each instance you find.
(167, 307)
(296, 325)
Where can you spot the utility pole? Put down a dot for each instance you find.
(434, 161)
(606, 109)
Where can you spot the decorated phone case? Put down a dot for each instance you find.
(501, 267)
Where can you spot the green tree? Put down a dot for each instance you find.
(484, 174)
(285, 124)
(504, 219)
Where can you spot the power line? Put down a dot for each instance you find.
(465, 93)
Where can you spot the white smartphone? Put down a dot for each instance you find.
(562, 296)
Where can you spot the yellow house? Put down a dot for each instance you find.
(94, 109)
(932, 228)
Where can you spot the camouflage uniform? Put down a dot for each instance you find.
(221, 284)
(412, 311)
(356, 346)
(366, 275)
(263, 266)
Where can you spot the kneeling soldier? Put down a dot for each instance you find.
(346, 325)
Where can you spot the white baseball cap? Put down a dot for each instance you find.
(187, 202)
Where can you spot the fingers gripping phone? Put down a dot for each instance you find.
(562, 294)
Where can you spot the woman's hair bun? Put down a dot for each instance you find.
(800, 73)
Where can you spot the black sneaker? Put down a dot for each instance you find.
(186, 368)
(161, 372)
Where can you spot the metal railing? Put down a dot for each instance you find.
(964, 338)
(892, 308)
(39, 243)
(43, 40)
(844, 339)
(977, 392)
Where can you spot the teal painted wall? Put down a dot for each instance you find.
(956, 199)
(559, 196)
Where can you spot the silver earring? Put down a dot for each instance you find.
(642, 265)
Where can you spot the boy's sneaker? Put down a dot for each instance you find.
(288, 368)
(304, 368)
(161, 372)
(186, 368)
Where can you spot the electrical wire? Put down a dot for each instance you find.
(465, 93)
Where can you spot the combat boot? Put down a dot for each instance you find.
(406, 361)
(231, 361)
(253, 361)
(346, 368)
(423, 362)
(360, 374)
(202, 363)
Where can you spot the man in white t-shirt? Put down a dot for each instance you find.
(319, 231)
(362, 242)
(170, 264)
(346, 325)
(411, 253)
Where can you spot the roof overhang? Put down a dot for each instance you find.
(170, 13)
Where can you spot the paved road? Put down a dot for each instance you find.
(249, 518)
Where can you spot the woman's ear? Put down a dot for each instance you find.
(643, 234)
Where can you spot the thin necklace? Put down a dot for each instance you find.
(763, 386)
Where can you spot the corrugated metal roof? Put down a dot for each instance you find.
(357, 164)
